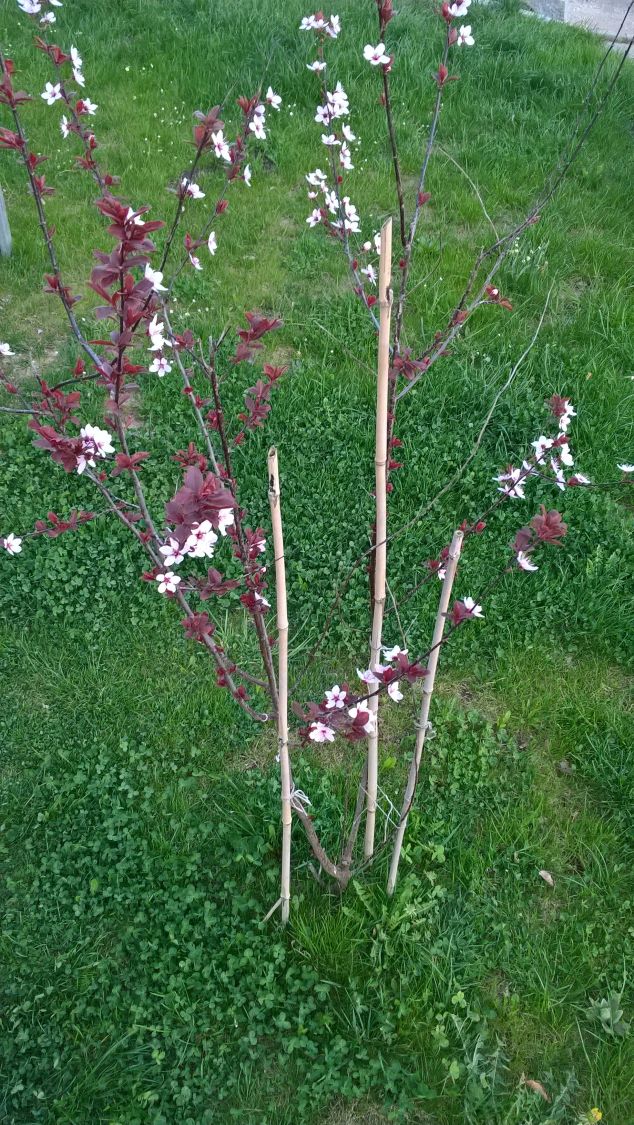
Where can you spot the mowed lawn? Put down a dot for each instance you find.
(140, 810)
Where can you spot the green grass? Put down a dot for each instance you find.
(140, 832)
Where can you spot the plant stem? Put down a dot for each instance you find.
(428, 687)
(282, 679)
(380, 557)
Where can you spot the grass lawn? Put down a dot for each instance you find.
(140, 831)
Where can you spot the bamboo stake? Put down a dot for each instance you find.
(428, 688)
(380, 554)
(282, 656)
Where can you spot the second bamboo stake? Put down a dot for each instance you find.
(282, 680)
(380, 551)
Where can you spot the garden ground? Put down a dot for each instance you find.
(140, 832)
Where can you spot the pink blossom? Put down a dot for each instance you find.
(392, 653)
(370, 273)
(192, 189)
(367, 677)
(394, 692)
(30, 7)
(221, 148)
(319, 732)
(167, 582)
(348, 134)
(335, 698)
(261, 601)
(52, 93)
(516, 483)
(173, 552)
(195, 261)
(48, 17)
(375, 55)
(459, 9)
(13, 545)
(322, 115)
(85, 106)
(330, 139)
(314, 218)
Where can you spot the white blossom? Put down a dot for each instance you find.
(314, 218)
(524, 561)
(257, 128)
(274, 100)
(465, 38)
(89, 106)
(160, 366)
(369, 725)
(626, 468)
(345, 158)
(156, 279)
(317, 178)
(375, 55)
(225, 519)
(319, 732)
(201, 541)
(52, 93)
(212, 245)
(316, 65)
(192, 189)
(13, 544)
(394, 692)
(5, 349)
(155, 330)
(247, 174)
(221, 148)
(312, 23)
(335, 698)
(172, 552)
(474, 609)
(167, 582)
(459, 9)
(392, 653)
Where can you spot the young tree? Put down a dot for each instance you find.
(135, 283)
